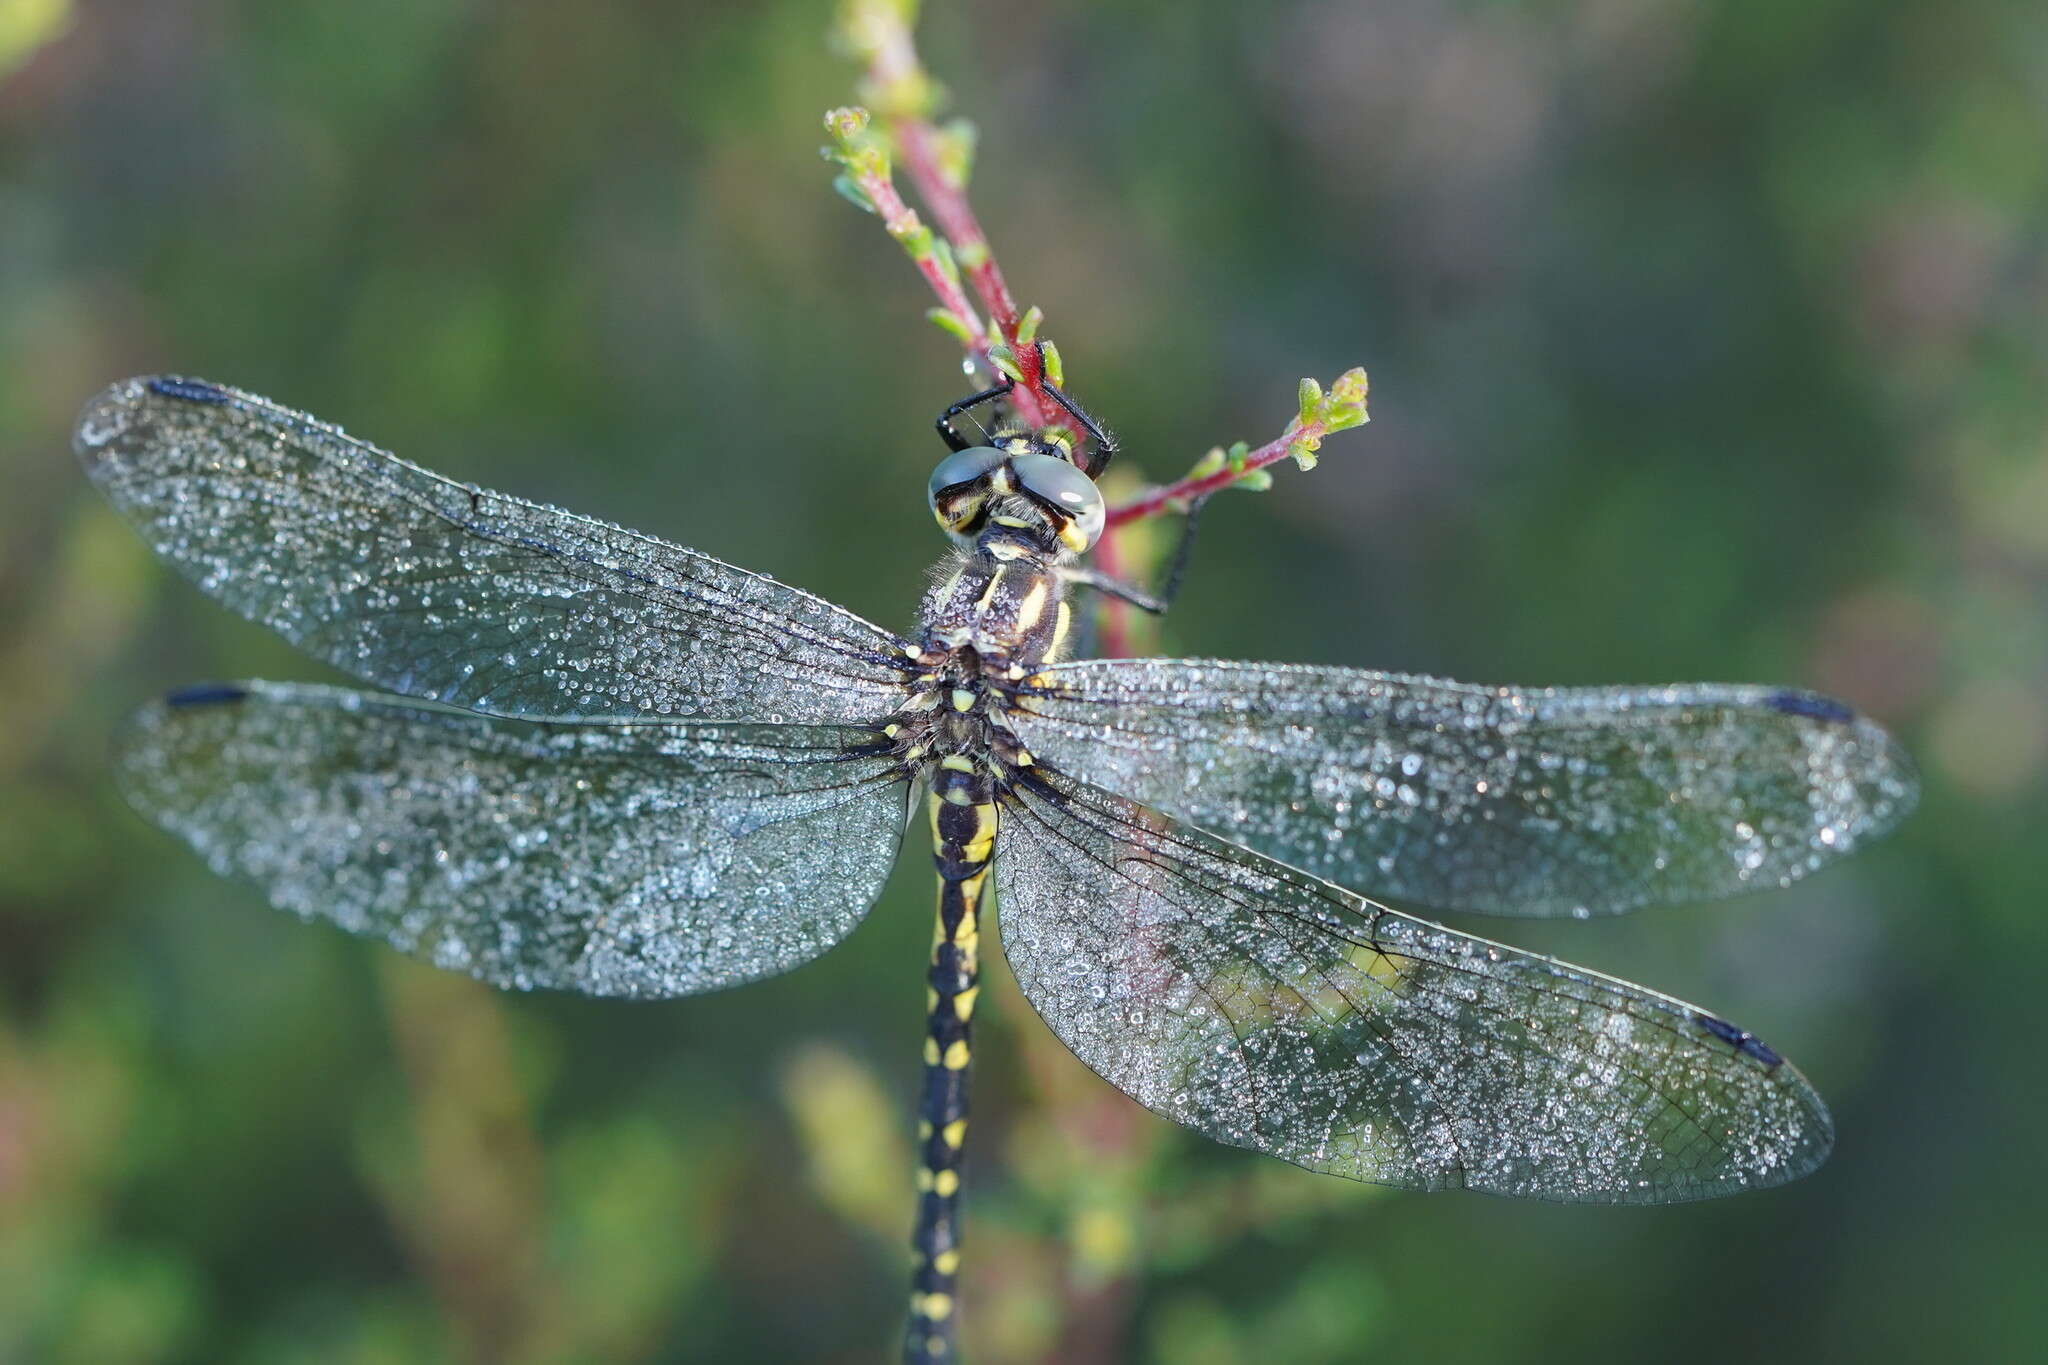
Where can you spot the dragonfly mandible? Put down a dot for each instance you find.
(599, 762)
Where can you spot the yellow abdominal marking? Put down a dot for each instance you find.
(955, 1133)
(956, 1055)
(963, 1003)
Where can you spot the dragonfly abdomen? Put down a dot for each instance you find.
(964, 819)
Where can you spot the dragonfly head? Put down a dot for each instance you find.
(1019, 493)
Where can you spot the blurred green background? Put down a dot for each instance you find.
(1707, 341)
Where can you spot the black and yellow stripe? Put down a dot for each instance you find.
(964, 818)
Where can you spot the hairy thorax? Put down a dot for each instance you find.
(985, 628)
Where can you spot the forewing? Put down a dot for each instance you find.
(634, 859)
(1499, 800)
(1267, 1009)
(452, 593)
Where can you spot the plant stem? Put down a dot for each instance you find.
(902, 89)
(902, 223)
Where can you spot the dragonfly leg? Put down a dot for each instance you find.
(1114, 587)
(1156, 604)
(1177, 569)
(964, 817)
(949, 434)
(1105, 445)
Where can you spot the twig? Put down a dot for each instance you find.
(868, 183)
(1320, 415)
(940, 162)
(947, 197)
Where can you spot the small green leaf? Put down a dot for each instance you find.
(1346, 407)
(945, 320)
(853, 193)
(1346, 417)
(1004, 359)
(1212, 463)
(1055, 368)
(1309, 398)
(913, 236)
(1351, 387)
(943, 251)
(1255, 480)
(956, 147)
(1027, 326)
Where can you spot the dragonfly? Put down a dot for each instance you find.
(590, 760)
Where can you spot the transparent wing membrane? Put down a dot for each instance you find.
(443, 591)
(636, 859)
(1491, 799)
(1270, 1010)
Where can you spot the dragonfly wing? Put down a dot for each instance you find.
(1500, 800)
(1267, 1009)
(452, 593)
(635, 859)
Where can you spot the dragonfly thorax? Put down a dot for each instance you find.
(987, 626)
(996, 617)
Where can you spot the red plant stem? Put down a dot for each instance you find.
(1113, 617)
(948, 203)
(895, 64)
(955, 217)
(900, 219)
(1153, 501)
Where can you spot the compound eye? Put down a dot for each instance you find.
(1070, 495)
(956, 491)
(965, 466)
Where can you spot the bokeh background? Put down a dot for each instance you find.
(1708, 340)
